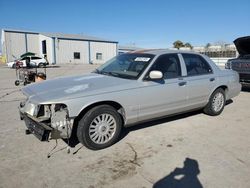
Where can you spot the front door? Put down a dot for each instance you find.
(165, 96)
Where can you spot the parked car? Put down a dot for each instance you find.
(128, 89)
(33, 61)
(241, 64)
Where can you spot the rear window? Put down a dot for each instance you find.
(196, 65)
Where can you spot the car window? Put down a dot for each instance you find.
(196, 65)
(246, 56)
(169, 65)
(35, 58)
(127, 65)
(25, 58)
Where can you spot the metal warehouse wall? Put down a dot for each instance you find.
(15, 45)
(65, 51)
(108, 51)
(59, 50)
(32, 43)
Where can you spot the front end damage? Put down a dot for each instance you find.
(46, 121)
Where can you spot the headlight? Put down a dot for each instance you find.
(228, 65)
(31, 109)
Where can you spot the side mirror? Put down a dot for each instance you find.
(155, 75)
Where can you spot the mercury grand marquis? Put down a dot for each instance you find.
(128, 89)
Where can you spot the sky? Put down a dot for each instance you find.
(144, 23)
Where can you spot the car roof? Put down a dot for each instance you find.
(161, 51)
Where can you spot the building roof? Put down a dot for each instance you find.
(76, 37)
(20, 31)
(63, 35)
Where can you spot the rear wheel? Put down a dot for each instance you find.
(41, 65)
(216, 103)
(100, 127)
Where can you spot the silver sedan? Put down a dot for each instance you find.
(128, 89)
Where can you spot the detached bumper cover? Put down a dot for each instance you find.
(40, 130)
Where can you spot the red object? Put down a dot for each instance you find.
(19, 64)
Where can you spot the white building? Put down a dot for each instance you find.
(57, 48)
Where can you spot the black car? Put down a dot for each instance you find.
(242, 63)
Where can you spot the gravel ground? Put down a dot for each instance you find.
(191, 149)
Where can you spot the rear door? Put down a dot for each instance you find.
(200, 80)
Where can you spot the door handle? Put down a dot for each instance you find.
(211, 79)
(182, 83)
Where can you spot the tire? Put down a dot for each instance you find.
(216, 103)
(41, 65)
(14, 66)
(17, 82)
(94, 132)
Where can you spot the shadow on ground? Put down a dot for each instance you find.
(74, 141)
(162, 120)
(182, 177)
(157, 122)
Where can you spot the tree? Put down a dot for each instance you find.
(207, 45)
(188, 45)
(178, 44)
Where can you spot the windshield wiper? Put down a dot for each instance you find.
(112, 74)
(109, 73)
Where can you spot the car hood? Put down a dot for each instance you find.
(243, 45)
(73, 87)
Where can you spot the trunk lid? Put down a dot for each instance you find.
(243, 45)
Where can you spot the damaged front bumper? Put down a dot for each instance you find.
(46, 122)
(40, 130)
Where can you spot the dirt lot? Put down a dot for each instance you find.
(192, 149)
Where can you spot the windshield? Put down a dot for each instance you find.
(129, 65)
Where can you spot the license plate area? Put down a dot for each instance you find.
(37, 129)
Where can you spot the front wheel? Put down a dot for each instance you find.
(100, 127)
(216, 103)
